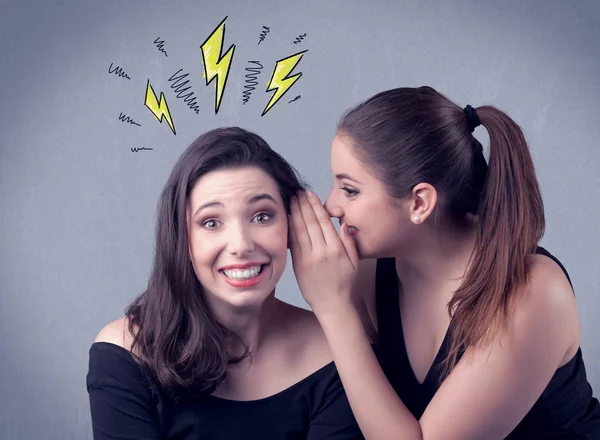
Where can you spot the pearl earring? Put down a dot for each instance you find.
(417, 219)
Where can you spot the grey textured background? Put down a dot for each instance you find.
(77, 206)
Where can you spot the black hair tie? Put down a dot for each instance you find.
(472, 118)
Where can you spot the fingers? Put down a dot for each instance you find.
(299, 233)
(311, 222)
(293, 244)
(349, 246)
(311, 228)
(327, 228)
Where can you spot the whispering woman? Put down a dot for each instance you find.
(439, 263)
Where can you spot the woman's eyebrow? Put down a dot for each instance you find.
(252, 200)
(346, 176)
(208, 205)
(260, 197)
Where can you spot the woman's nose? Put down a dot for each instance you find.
(240, 241)
(332, 206)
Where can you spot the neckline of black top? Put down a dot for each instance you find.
(126, 354)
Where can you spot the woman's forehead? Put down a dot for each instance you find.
(238, 185)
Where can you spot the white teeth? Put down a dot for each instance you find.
(241, 274)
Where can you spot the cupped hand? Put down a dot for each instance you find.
(325, 264)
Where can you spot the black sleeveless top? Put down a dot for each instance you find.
(565, 410)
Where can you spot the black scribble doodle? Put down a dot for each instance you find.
(299, 39)
(125, 118)
(251, 81)
(263, 34)
(160, 44)
(295, 99)
(118, 71)
(179, 86)
(135, 150)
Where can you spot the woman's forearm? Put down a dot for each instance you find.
(378, 410)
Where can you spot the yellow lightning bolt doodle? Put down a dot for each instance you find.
(280, 82)
(159, 110)
(215, 65)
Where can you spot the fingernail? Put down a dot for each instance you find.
(311, 195)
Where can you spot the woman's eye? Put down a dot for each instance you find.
(263, 217)
(349, 192)
(210, 224)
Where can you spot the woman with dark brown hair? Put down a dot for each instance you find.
(207, 351)
(438, 263)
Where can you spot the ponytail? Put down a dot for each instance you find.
(511, 223)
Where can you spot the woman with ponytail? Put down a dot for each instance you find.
(438, 264)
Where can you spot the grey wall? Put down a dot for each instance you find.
(77, 205)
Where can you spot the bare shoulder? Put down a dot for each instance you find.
(548, 285)
(307, 330)
(548, 307)
(116, 332)
(305, 340)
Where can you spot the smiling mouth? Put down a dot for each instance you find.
(352, 231)
(243, 274)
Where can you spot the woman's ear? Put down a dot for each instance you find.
(423, 201)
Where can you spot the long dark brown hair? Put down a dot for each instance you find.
(177, 339)
(414, 135)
